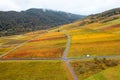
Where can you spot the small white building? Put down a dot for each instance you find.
(87, 55)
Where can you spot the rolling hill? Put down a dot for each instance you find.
(96, 19)
(86, 49)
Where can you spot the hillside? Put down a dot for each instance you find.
(96, 20)
(81, 50)
(96, 36)
(105, 16)
(13, 22)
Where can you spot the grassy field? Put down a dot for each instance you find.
(49, 45)
(32, 70)
(109, 74)
(87, 68)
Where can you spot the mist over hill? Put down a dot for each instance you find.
(12, 22)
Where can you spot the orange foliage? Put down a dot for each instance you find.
(41, 47)
(50, 52)
(42, 39)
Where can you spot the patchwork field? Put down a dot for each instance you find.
(10, 42)
(87, 68)
(49, 45)
(32, 70)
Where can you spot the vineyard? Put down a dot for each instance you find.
(67, 52)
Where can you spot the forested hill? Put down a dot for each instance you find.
(12, 22)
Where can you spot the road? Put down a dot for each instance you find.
(64, 57)
(67, 46)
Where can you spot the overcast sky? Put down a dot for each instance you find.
(85, 7)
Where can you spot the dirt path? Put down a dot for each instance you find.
(67, 47)
(64, 57)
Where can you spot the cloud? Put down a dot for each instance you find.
(8, 5)
(73, 6)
